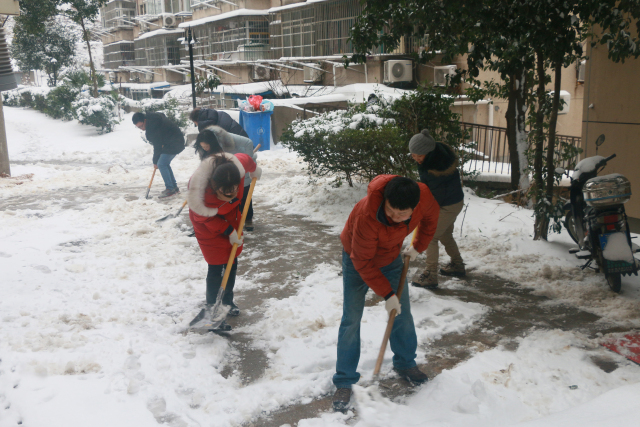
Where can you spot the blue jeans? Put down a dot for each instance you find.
(165, 170)
(403, 335)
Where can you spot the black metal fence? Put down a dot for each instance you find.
(491, 151)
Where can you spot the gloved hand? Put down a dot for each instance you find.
(233, 238)
(410, 252)
(256, 173)
(393, 303)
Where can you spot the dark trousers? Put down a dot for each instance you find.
(244, 200)
(214, 281)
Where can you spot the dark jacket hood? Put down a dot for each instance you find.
(442, 161)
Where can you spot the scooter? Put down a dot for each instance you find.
(596, 220)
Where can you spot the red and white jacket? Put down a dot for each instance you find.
(213, 219)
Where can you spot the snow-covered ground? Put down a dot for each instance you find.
(94, 294)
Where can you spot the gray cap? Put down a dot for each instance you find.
(422, 143)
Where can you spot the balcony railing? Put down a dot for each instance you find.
(491, 152)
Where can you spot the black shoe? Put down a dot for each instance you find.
(341, 399)
(414, 375)
(235, 311)
(248, 225)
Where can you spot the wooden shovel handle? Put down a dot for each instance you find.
(152, 175)
(392, 318)
(257, 147)
(392, 315)
(234, 249)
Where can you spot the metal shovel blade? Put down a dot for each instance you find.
(211, 318)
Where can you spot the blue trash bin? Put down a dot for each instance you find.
(258, 127)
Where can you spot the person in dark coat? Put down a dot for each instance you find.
(438, 169)
(205, 117)
(167, 140)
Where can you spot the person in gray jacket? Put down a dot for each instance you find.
(233, 144)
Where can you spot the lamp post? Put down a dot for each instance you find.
(191, 40)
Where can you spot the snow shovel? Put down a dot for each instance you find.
(173, 215)
(213, 318)
(150, 182)
(392, 315)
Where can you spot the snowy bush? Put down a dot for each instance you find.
(60, 103)
(368, 140)
(99, 112)
(350, 144)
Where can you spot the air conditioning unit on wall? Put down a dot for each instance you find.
(169, 21)
(441, 74)
(398, 71)
(259, 73)
(312, 75)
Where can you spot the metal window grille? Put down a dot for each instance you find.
(156, 51)
(118, 14)
(236, 38)
(117, 54)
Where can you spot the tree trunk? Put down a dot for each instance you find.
(516, 117)
(5, 168)
(539, 144)
(94, 78)
(551, 147)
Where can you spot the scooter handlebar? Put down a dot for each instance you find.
(609, 158)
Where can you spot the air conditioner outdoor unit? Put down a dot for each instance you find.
(260, 73)
(169, 21)
(582, 68)
(398, 71)
(144, 27)
(440, 74)
(312, 75)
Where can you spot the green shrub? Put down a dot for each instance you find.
(368, 140)
(39, 102)
(99, 112)
(59, 103)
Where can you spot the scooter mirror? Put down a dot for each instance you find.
(600, 140)
(561, 171)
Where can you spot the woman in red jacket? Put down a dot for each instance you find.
(215, 192)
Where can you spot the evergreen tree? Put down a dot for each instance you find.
(50, 51)
(34, 12)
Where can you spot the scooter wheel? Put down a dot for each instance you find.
(614, 281)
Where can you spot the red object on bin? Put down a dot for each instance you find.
(255, 101)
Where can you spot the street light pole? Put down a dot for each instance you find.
(191, 41)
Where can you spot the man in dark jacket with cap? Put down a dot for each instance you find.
(167, 140)
(438, 168)
(205, 117)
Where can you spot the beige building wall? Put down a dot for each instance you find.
(612, 108)
(569, 123)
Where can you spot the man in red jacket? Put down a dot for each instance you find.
(372, 240)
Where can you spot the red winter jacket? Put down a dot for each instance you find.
(372, 244)
(213, 219)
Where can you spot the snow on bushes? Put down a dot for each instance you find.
(363, 117)
(99, 112)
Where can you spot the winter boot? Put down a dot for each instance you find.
(168, 193)
(341, 399)
(234, 311)
(427, 279)
(414, 375)
(454, 269)
(248, 225)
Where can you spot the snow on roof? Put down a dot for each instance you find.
(137, 86)
(294, 5)
(159, 32)
(220, 17)
(120, 42)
